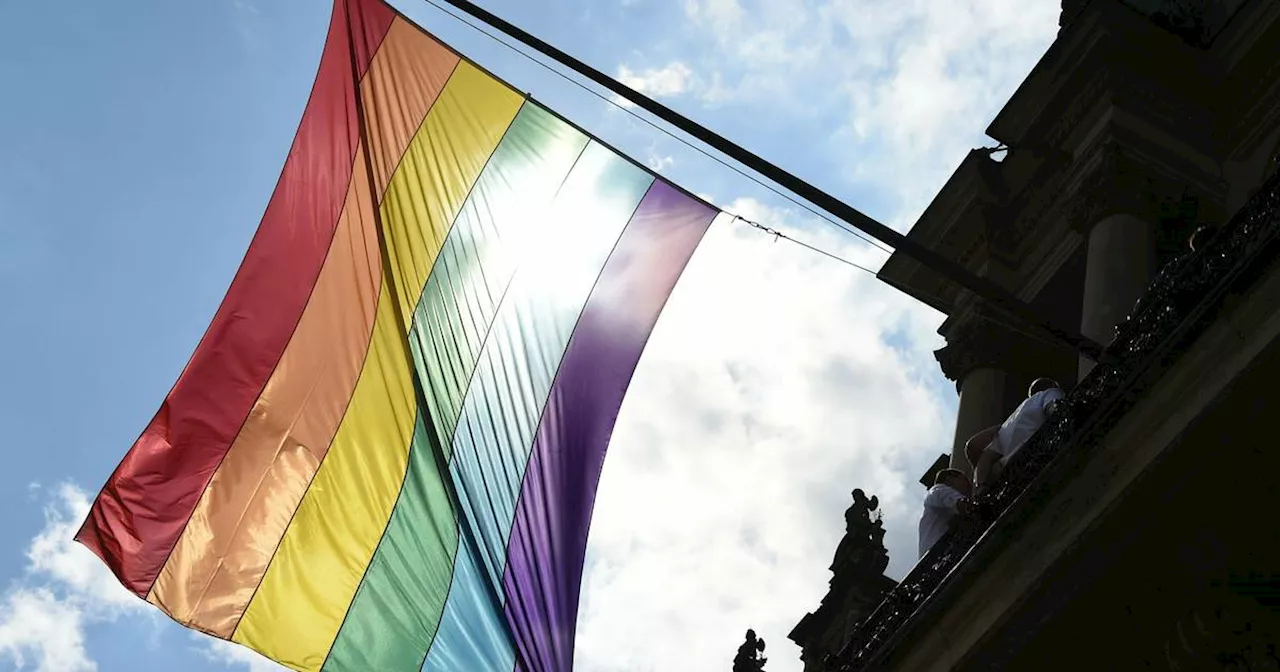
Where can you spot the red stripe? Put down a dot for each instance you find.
(141, 511)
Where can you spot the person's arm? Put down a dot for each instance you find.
(979, 442)
(1051, 402)
(987, 470)
(985, 436)
(943, 498)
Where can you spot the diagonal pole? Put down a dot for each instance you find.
(980, 286)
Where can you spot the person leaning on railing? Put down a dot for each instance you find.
(990, 450)
(1168, 276)
(948, 497)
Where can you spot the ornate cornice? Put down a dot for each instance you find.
(1190, 20)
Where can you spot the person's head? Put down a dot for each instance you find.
(953, 478)
(1201, 237)
(1040, 385)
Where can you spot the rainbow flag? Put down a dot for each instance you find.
(384, 451)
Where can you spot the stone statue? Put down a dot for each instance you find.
(858, 585)
(750, 656)
(861, 552)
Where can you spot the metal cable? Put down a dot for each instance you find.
(660, 129)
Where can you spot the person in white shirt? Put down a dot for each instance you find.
(947, 497)
(1007, 439)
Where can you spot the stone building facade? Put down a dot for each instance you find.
(1123, 541)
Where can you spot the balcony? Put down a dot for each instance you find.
(1111, 491)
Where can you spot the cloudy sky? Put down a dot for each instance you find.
(141, 141)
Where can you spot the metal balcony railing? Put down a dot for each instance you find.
(1180, 303)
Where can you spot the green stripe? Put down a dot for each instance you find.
(499, 220)
(397, 609)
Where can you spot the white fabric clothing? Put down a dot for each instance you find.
(1023, 422)
(940, 506)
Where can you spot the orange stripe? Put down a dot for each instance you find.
(222, 555)
(145, 505)
(212, 572)
(404, 80)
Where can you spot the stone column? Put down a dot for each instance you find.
(992, 367)
(985, 395)
(1122, 187)
(1121, 262)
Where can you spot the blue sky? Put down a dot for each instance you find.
(141, 142)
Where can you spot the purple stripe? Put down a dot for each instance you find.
(549, 540)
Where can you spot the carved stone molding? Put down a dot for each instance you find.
(1122, 178)
(1070, 10)
(1196, 22)
(1114, 183)
(1094, 82)
(1000, 238)
(984, 339)
(1021, 226)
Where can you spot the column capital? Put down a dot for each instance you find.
(981, 339)
(1121, 172)
(1111, 182)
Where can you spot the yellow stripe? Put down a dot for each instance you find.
(296, 613)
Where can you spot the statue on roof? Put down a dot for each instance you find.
(858, 584)
(861, 552)
(750, 656)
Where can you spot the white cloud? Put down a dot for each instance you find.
(55, 557)
(64, 590)
(658, 162)
(892, 92)
(766, 394)
(777, 380)
(723, 15)
(40, 629)
(669, 81)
